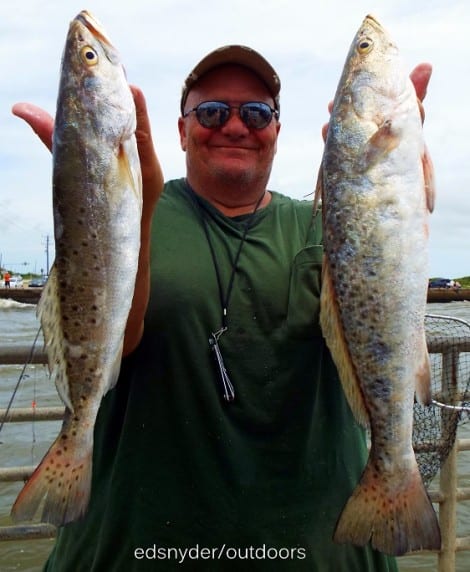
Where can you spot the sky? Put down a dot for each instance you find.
(160, 41)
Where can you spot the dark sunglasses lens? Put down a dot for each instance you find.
(256, 115)
(212, 114)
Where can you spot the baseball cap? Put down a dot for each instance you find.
(235, 54)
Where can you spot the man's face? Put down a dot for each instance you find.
(233, 152)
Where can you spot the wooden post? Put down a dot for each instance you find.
(448, 479)
(447, 512)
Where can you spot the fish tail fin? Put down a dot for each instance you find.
(61, 483)
(397, 517)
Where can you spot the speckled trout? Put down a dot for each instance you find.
(377, 190)
(97, 200)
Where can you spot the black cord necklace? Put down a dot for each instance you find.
(227, 386)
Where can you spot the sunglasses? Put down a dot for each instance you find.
(214, 114)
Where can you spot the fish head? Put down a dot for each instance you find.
(88, 51)
(373, 75)
(90, 71)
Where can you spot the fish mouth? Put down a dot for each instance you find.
(90, 22)
(373, 21)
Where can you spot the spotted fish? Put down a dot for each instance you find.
(97, 202)
(377, 190)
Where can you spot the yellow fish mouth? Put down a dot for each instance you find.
(373, 20)
(92, 24)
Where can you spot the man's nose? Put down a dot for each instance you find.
(234, 124)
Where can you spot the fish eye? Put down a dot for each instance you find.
(365, 45)
(89, 56)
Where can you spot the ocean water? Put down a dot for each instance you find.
(26, 443)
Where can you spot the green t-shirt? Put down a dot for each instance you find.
(183, 479)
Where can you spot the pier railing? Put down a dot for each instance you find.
(447, 496)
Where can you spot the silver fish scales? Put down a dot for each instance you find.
(97, 201)
(376, 186)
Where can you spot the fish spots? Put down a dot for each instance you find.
(381, 389)
(379, 351)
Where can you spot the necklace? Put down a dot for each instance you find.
(228, 391)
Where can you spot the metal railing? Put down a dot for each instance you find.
(12, 356)
(448, 495)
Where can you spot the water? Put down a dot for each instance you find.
(22, 443)
(26, 443)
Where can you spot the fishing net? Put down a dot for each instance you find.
(435, 426)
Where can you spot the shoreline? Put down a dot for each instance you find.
(435, 295)
(448, 295)
(22, 295)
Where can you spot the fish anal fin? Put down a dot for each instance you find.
(114, 371)
(49, 314)
(333, 333)
(393, 511)
(423, 378)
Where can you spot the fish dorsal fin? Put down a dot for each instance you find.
(49, 315)
(333, 333)
(429, 181)
(318, 190)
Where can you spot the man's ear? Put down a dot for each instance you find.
(182, 132)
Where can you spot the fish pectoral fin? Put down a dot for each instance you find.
(333, 333)
(429, 180)
(49, 314)
(380, 144)
(126, 170)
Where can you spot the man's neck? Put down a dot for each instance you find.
(233, 202)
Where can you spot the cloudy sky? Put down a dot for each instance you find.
(161, 40)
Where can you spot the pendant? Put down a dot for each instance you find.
(227, 387)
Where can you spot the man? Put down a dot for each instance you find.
(227, 443)
(6, 279)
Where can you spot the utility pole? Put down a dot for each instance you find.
(47, 255)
